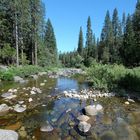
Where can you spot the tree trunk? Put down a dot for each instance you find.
(17, 48)
(35, 52)
(22, 57)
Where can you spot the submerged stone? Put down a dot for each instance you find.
(19, 108)
(8, 94)
(83, 118)
(3, 109)
(99, 107)
(84, 126)
(91, 110)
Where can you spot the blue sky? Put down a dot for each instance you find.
(68, 15)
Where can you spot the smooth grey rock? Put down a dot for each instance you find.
(5, 95)
(30, 100)
(8, 135)
(20, 102)
(91, 110)
(42, 84)
(83, 118)
(99, 107)
(19, 108)
(131, 100)
(32, 92)
(18, 79)
(8, 95)
(46, 128)
(42, 73)
(84, 126)
(3, 108)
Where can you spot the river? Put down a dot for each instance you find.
(117, 121)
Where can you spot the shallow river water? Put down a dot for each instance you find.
(117, 121)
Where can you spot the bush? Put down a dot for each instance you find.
(8, 76)
(25, 71)
(110, 77)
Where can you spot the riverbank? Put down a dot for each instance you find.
(8, 73)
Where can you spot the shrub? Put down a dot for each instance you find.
(8, 76)
(26, 70)
(110, 77)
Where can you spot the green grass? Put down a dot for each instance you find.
(22, 71)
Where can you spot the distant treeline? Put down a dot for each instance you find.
(119, 42)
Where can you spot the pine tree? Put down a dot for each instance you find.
(128, 43)
(107, 39)
(50, 42)
(89, 36)
(80, 42)
(117, 33)
(136, 27)
(123, 23)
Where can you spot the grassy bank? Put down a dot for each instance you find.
(111, 77)
(22, 71)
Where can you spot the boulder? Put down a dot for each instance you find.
(42, 84)
(42, 73)
(131, 100)
(83, 118)
(126, 103)
(12, 90)
(18, 79)
(3, 109)
(8, 135)
(99, 107)
(30, 100)
(8, 95)
(5, 95)
(90, 110)
(46, 128)
(32, 92)
(84, 126)
(36, 90)
(20, 102)
(19, 108)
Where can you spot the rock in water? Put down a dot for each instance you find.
(3, 108)
(127, 103)
(99, 107)
(32, 92)
(131, 100)
(8, 94)
(8, 135)
(17, 79)
(83, 118)
(42, 73)
(91, 110)
(84, 126)
(19, 108)
(30, 100)
(42, 84)
(46, 128)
